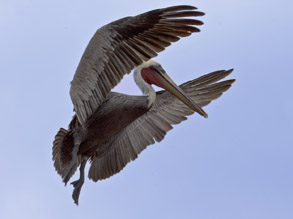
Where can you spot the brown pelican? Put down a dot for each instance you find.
(110, 129)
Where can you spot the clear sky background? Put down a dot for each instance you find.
(235, 164)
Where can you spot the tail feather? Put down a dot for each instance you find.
(62, 160)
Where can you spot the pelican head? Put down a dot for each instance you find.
(151, 72)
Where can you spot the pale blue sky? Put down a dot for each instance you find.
(235, 164)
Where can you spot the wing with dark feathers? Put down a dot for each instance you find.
(153, 125)
(118, 47)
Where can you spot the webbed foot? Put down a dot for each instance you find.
(78, 183)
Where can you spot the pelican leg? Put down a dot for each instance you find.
(72, 164)
(78, 183)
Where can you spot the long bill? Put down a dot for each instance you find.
(167, 83)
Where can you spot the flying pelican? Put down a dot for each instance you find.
(110, 129)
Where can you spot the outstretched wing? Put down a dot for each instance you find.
(118, 47)
(153, 126)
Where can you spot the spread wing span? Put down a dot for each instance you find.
(166, 111)
(116, 48)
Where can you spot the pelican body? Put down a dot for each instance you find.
(110, 129)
